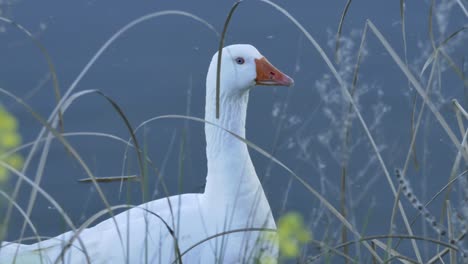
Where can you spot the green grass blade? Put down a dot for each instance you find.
(415, 83)
(70, 149)
(26, 218)
(47, 57)
(264, 153)
(48, 198)
(340, 28)
(220, 52)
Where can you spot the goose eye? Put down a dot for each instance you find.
(240, 60)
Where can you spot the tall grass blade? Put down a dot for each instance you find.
(53, 73)
(462, 7)
(350, 99)
(344, 235)
(430, 28)
(392, 222)
(49, 199)
(415, 127)
(112, 179)
(101, 213)
(71, 134)
(453, 254)
(376, 240)
(135, 141)
(415, 83)
(441, 45)
(47, 57)
(444, 252)
(70, 149)
(220, 52)
(104, 47)
(83, 72)
(26, 218)
(439, 193)
(264, 153)
(340, 28)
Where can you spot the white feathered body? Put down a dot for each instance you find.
(145, 239)
(233, 199)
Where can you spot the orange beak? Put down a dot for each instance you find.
(267, 74)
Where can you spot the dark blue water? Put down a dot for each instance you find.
(159, 68)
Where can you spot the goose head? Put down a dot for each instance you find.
(231, 173)
(242, 68)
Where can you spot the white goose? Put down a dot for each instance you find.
(233, 197)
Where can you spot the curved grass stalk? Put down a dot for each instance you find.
(460, 109)
(148, 161)
(455, 168)
(340, 28)
(59, 106)
(108, 179)
(264, 153)
(117, 35)
(49, 199)
(46, 55)
(253, 229)
(450, 235)
(48, 139)
(418, 122)
(392, 222)
(405, 52)
(53, 73)
(438, 256)
(101, 213)
(430, 28)
(415, 83)
(132, 135)
(462, 7)
(160, 176)
(445, 55)
(433, 55)
(426, 205)
(445, 187)
(70, 149)
(43, 238)
(395, 236)
(26, 218)
(336, 249)
(220, 52)
(70, 134)
(139, 155)
(403, 28)
(355, 108)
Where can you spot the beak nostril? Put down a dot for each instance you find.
(272, 73)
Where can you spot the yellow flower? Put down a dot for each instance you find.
(292, 234)
(16, 161)
(9, 140)
(7, 121)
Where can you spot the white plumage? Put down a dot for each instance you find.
(233, 197)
